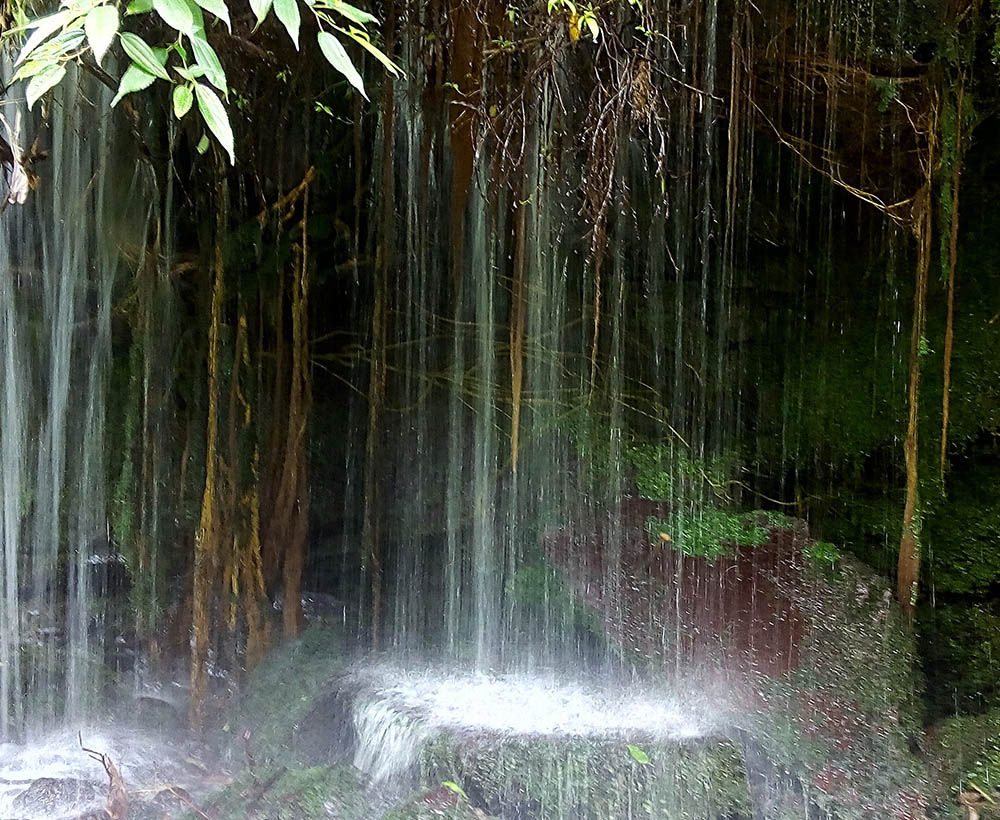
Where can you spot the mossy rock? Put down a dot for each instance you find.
(817, 663)
(966, 750)
(558, 778)
(277, 707)
(293, 794)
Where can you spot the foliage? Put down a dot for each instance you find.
(571, 777)
(887, 89)
(967, 751)
(821, 552)
(186, 58)
(960, 655)
(962, 532)
(710, 533)
(580, 18)
(307, 793)
(668, 473)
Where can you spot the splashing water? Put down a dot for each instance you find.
(399, 709)
(52, 778)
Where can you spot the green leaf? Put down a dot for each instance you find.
(43, 29)
(62, 44)
(192, 73)
(337, 57)
(135, 78)
(203, 144)
(355, 15)
(452, 786)
(53, 52)
(30, 69)
(199, 18)
(218, 8)
(139, 7)
(260, 8)
(216, 118)
(208, 61)
(183, 98)
(176, 14)
(288, 14)
(101, 26)
(142, 55)
(638, 755)
(42, 82)
(361, 38)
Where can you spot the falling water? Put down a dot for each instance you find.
(59, 257)
(582, 293)
(586, 336)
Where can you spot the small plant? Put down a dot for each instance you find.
(712, 535)
(887, 89)
(778, 519)
(822, 552)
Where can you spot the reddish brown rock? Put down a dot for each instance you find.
(811, 660)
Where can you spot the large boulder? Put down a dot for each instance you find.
(804, 647)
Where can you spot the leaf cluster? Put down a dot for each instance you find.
(187, 59)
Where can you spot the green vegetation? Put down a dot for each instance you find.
(709, 534)
(967, 750)
(185, 58)
(565, 777)
(279, 793)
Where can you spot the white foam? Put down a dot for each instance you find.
(398, 709)
(143, 763)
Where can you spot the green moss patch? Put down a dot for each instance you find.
(584, 779)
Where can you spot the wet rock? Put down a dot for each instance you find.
(803, 648)
(157, 715)
(295, 793)
(52, 797)
(327, 733)
(547, 777)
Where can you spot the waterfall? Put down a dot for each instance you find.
(59, 259)
(577, 313)
(526, 357)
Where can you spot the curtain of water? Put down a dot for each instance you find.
(462, 513)
(59, 259)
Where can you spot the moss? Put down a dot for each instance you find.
(967, 750)
(292, 794)
(281, 693)
(561, 778)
